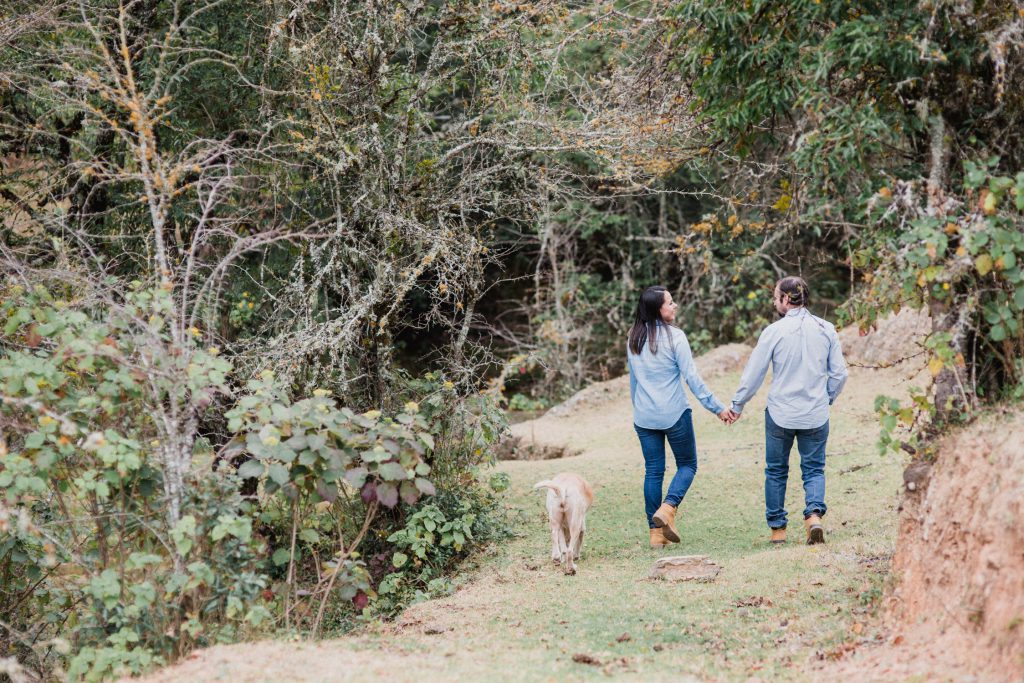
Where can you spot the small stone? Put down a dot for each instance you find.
(685, 568)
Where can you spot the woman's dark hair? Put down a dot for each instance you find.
(797, 290)
(645, 325)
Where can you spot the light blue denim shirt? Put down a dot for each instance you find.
(808, 370)
(655, 381)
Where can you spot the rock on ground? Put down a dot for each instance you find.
(685, 568)
(895, 338)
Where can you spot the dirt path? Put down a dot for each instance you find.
(772, 614)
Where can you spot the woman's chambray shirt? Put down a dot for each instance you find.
(655, 381)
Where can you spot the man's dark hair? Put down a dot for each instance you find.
(796, 289)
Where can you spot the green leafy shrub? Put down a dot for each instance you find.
(333, 469)
(967, 267)
(85, 534)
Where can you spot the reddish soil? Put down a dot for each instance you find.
(956, 610)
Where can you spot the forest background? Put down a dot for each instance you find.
(273, 271)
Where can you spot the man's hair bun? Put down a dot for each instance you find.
(797, 290)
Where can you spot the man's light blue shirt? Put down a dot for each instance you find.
(655, 381)
(808, 370)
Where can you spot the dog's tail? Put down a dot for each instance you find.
(548, 484)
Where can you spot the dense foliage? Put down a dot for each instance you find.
(270, 269)
(888, 132)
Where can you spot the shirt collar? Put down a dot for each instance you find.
(795, 311)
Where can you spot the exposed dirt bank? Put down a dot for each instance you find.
(956, 611)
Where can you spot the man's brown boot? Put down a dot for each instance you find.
(779, 535)
(658, 540)
(815, 532)
(665, 518)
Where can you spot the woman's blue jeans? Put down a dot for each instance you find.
(684, 448)
(811, 445)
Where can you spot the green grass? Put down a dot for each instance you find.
(518, 616)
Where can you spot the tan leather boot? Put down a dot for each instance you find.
(658, 540)
(778, 535)
(815, 532)
(665, 518)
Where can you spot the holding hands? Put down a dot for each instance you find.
(728, 416)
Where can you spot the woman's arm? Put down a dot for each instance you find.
(688, 371)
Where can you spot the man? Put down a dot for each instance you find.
(808, 372)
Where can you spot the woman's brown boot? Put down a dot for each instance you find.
(665, 518)
(658, 540)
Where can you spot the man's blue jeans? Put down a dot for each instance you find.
(684, 448)
(811, 445)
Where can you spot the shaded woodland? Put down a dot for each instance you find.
(274, 271)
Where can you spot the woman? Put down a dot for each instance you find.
(659, 357)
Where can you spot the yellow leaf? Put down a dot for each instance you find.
(989, 204)
(984, 264)
(935, 366)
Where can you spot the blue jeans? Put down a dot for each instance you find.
(811, 445)
(684, 448)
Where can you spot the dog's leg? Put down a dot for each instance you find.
(573, 540)
(579, 541)
(556, 542)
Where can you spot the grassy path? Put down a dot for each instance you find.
(772, 614)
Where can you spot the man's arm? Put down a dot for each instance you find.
(837, 372)
(755, 371)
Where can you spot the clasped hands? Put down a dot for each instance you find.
(728, 416)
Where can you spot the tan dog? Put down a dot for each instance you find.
(569, 498)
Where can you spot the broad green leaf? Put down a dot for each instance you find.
(279, 474)
(1018, 298)
(387, 494)
(410, 494)
(391, 471)
(356, 477)
(251, 469)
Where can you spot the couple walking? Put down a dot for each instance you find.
(808, 372)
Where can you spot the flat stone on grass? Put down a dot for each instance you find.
(685, 568)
